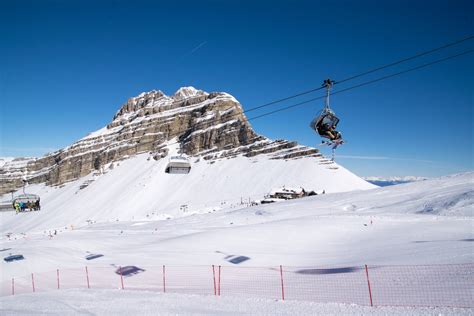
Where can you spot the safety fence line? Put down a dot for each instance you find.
(423, 285)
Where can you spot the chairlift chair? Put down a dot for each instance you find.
(326, 122)
(178, 165)
(28, 199)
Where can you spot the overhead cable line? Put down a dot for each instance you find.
(351, 78)
(336, 92)
(354, 76)
(366, 83)
(366, 72)
(407, 59)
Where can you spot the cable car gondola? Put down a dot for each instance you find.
(178, 165)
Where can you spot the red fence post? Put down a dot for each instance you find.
(368, 283)
(87, 278)
(33, 282)
(121, 277)
(282, 286)
(13, 286)
(219, 282)
(57, 276)
(164, 279)
(214, 278)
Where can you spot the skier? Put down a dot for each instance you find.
(327, 129)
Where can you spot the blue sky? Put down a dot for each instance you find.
(67, 66)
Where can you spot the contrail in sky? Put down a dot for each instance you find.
(197, 47)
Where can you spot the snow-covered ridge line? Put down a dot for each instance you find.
(382, 181)
(25, 175)
(157, 99)
(395, 178)
(137, 125)
(300, 150)
(136, 117)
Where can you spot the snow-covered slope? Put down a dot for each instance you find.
(138, 188)
(424, 222)
(204, 126)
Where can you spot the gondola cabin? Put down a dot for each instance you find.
(178, 165)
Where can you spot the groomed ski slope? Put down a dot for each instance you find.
(138, 188)
(427, 222)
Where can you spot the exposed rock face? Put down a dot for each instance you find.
(208, 125)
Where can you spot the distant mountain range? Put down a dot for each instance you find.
(386, 181)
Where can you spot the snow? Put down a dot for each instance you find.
(137, 214)
(284, 190)
(119, 302)
(180, 94)
(213, 127)
(102, 132)
(428, 222)
(228, 96)
(209, 116)
(13, 163)
(5, 160)
(172, 112)
(225, 112)
(105, 139)
(140, 186)
(187, 92)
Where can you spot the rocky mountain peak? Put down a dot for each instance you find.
(156, 101)
(188, 92)
(204, 125)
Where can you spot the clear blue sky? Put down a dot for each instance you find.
(67, 66)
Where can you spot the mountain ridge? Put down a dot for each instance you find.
(207, 125)
(394, 180)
